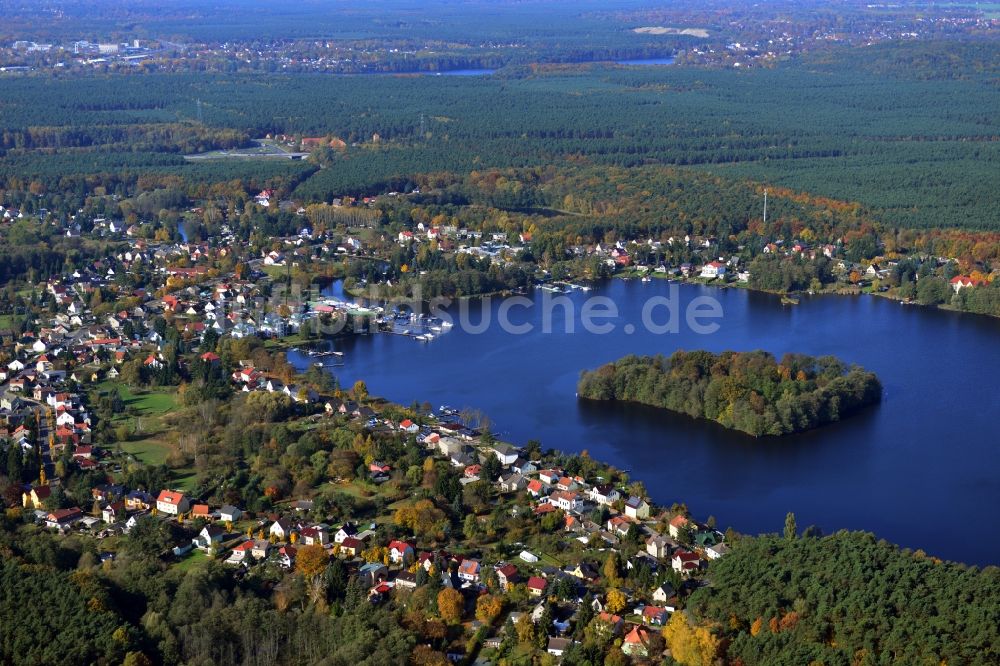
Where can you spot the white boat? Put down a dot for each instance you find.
(647, 279)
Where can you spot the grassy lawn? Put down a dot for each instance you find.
(545, 558)
(185, 479)
(148, 451)
(194, 559)
(149, 403)
(6, 321)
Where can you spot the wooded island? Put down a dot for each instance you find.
(747, 391)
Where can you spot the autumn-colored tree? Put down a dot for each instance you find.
(690, 645)
(360, 391)
(425, 655)
(788, 621)
(615, 657)
(488, 608)
(311, 561)
(422, 517)
(611, 569)
(525, 629)
(757, 625)
(616, 600)
(451, 605)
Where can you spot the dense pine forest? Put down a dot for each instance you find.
(917, 153)
(746, 391)
(800, 601)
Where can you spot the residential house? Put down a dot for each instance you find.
(685, 562)
(604, 494)
(636, 508)
(507, 575)
(400, 550)
(351, 547)
(677, 523)
(139, 500)
(558, 646)
(230, 514)
(280, 529)
(114, 512)
(172, 503)
(636, 642)
(566, 500)
(373, 573)
(663, 593)
(716, 551)
(210, 537)
(535, 488)
(286, 557)
(346, 530)
(505, 453)
(406, 580)
(261, 549)
(536, 586)
(314, 535)
(468, 571)
(616, 623)
(654, 615)
(35, 498)
(510, 483)
(658, 546)
(61, 519)
(619, 525)
(241, 554)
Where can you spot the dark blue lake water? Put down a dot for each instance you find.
(919, 470)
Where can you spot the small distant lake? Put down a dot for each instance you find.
(646, 61)
(449, 72)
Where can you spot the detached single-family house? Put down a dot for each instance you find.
(505, 453)
(663, 593)
(63, 518)
(209, 537)
(636, 642)
(172, 503)
(685, 562)
(677, 523)
(280, 529)
(655, 615)
(399, 550)
(507, 575)
(537, 585)
(658, 546)
(566, 500)
(468, 571)
(636, 508)
(241, 554)
(604, 494)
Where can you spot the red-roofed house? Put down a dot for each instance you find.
(636, 642)
(507, 575)
(676, 525)
(172, 503)
(654, 615)
(684, 561)
(536, 586)
(398, 550)
(960, 282)
(468, 571)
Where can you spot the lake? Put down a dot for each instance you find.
(646, 61)
(919, 470)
